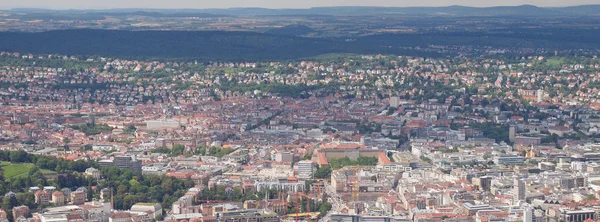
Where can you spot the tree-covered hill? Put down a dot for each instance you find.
(252, 46)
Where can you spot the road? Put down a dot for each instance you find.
(337, 203)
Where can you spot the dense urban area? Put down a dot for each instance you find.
(373, 136)
(284, 125)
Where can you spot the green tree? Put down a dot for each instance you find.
(324, 208)
(323, 172)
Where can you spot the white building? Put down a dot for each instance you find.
(305, 169)
(395, 102)
(93, 172)
(155, 208)
(539, 94)
(162, 124)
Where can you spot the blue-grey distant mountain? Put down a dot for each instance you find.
(522, 10)
(581, 10)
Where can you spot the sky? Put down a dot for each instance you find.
(108, 4)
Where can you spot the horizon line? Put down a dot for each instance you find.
(299, 8)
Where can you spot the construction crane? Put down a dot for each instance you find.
(319, 183)
(354, 185)
(355, 191)
(308, 200)
(298, 195)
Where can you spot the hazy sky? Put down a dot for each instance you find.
(104, 4)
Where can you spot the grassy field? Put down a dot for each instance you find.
(555, 62)
(13, 170)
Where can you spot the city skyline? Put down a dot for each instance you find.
(114, 4)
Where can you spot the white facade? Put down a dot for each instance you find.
(156, 209)
(305, 169)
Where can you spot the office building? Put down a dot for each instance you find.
(124, 162)
(519, 191)
(305, 169)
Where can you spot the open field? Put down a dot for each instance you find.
(14, 170)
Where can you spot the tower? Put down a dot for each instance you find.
(512, 131)
(394, 102)
(528, 214)
(539, 94)
(519, 191)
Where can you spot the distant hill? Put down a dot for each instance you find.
(593, 10)
(210, 45)
(251, 46)
(521, 10)
(295, 30)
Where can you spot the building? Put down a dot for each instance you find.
(185, 206)
(67, 193)
(539, 95)
(518, 191)
(528, 140)
(124, 162)
(163, 124)
(508, 160)
(128, 162)
(394, 102)
(155, 169)
(120, 217)
(3, 216)
(577, 215)
(58, 198)
(152, 209)
(567, 183)
(93, 172)
(512, 133)
(245, 215)
(528, 214)
(472, 209)
(49, 189)
(483, 183)
(78, 197)
(305, 169)
(21, 211)
(579, 166)
(560, 130)
(42, 197)
(284, 157)
(105, 195)
(283, 185)
(365, 218)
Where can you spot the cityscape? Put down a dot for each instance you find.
(333, 122)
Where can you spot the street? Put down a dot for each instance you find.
(337, 204)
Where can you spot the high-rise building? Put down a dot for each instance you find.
(519, 191)
(483, 183)
(394, 102)
(512, 133)
(528, 214)
(567, 183)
